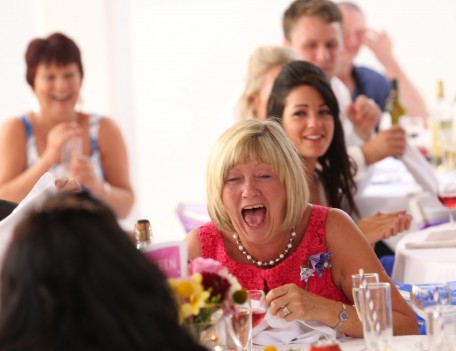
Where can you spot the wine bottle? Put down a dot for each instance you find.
(394, 106)
(441, 125)
(143, 234)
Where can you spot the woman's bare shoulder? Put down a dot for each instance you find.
(13, 130)
(193, 244)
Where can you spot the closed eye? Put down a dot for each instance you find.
(231, 180)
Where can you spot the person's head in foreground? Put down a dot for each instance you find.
(73, 280)
(305, 105)
(267, 234)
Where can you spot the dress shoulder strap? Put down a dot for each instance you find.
(32, 151)
(95, 157)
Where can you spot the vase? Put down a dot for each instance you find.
(215, 334)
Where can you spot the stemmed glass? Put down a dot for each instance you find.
(425, 295)
(447, 196)
(259, 306)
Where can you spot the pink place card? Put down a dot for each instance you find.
(170, 256)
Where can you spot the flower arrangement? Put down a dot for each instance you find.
(315, 264)
(208, 288)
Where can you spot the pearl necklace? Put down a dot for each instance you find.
(271, 262)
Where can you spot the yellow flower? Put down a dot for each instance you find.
(184, 289)
(185, 311)
(197, 278)
(198, 299)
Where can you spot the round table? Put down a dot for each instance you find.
(427, 256)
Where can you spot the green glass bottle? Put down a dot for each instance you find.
(394, 105)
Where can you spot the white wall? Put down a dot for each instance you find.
(169, 72)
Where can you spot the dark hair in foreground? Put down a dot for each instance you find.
(336, 169)
(73, 280)
(55, 49)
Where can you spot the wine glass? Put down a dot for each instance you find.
(447, 194)
(259, 306)
(242, 323)
(356, 286)
(431, 294)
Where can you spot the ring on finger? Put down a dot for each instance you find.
(285, 311)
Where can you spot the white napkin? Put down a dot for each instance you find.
(420, 168)
(427, 210)
(274, 330)
(41, 190)
(431, 244)
(436, 238)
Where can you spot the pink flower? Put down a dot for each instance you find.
(207, 265)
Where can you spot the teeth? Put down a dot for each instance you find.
(252, 207)
(313, 137)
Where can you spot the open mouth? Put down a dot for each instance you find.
(61, 98)
(254, 215)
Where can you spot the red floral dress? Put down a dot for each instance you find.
(286, 271)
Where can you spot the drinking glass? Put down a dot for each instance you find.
(356, 285)
(259, 306)
(431, 294)
(447, 194)
(242, 323)
(71, 150)
(377, 316)
(441, 327)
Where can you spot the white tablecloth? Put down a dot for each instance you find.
(427, 256)
(389, 189)
(400, 343)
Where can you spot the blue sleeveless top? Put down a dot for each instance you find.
(56, 170)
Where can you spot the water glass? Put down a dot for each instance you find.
(242, 323)
(441, 327)
(356, 285)
(377, 317)
(429, 294)
(71, 150)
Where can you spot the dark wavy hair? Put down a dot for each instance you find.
(55, 49)
(336, 169)
(72, 280)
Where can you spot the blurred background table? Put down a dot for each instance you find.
(427, 256)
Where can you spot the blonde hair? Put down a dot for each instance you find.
(263, 59)
(264, 141)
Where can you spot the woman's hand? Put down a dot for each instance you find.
(384, 225)
(291, 302)
(83, 170)
(56, 138)
(66, 184)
